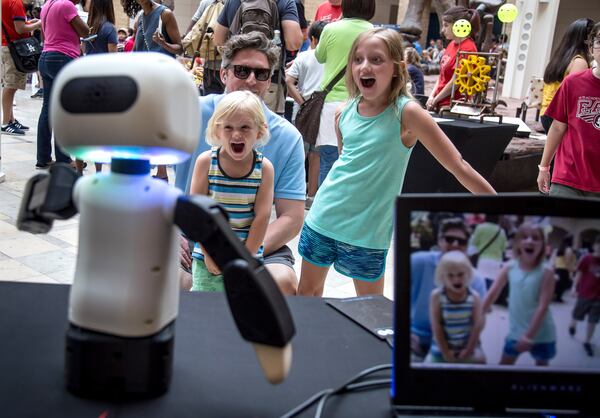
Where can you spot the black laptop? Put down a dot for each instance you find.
(569, 385)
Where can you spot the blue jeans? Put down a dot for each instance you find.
(329, 154)
(50, 65)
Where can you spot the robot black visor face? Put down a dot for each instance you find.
(109, 94)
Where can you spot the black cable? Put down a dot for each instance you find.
(307, 403)
(347, 388)
(327, 392)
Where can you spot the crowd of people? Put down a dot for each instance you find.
(249, 158)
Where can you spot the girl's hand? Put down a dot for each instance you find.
(543, 181)
(211, 266)
(431, 103)
(465, 354)
(524, 344)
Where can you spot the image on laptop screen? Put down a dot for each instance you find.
(504, 291)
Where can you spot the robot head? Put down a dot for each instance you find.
(132, 106)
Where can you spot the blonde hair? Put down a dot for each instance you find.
(412, 56)
(453, 259)
(238, 101)
(393, 40)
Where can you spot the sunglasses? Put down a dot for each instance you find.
(450, 240)
(243, 72)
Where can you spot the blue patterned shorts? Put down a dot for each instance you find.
(355, 262)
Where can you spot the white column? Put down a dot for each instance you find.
(530, 44)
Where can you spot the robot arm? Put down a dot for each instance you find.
(257, 305)
(47, 196)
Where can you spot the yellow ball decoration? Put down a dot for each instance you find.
(472, 75)
(461, 28)
(507, 13)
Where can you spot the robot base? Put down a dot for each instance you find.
(105, 366)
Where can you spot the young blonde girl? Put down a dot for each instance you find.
(531, 287)
(455, 312)
(350, 222)
(236, 175)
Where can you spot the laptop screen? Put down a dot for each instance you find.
(526, 302)
(503, 296)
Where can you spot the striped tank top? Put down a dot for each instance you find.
(235, 194)
(457, 321)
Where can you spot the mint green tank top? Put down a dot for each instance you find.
(523, 299)
(355, 203)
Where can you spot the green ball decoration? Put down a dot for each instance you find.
(461, 28)
(507, 13)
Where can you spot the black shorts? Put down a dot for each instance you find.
(589, 307)
(281, 256)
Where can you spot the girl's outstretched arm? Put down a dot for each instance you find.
(545, 297)
(262, 208)
(417, 124)
(495, 290)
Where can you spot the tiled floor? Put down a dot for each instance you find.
(51, 258)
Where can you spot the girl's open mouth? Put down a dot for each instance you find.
(367, 82)
(238, 147)
(529, 250)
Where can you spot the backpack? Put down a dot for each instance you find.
(256, 15)
(199, 41)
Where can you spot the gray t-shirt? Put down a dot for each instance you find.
(287, 11)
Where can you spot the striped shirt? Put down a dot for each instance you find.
(235, 194)
(457, 322)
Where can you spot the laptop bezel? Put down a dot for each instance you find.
(481, 391)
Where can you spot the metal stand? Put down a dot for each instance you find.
(479, 105)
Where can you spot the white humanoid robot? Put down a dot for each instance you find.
(133, 110)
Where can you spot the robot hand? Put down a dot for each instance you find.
(47, 196)
(257, 305)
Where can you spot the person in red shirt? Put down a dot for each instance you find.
(16, 26)
(440, 95)
(130, 41)
(587, 286)
(329, 10)
(574, 135)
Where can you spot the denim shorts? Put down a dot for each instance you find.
(355, 262)
(539, 351)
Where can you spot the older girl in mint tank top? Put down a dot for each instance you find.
(350, 223)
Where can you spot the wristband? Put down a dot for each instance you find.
(544, 169)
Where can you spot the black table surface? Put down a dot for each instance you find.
(480, 144)
(215, 372)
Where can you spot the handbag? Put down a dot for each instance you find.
(25, 53)
(308, 117)
(475, 256)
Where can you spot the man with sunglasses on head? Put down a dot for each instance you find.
(453, 236)
(247, 63)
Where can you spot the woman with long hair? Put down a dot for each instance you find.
(62, 28)
(101, 21)
(571, 56)
(440, 95)
(155, 30)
